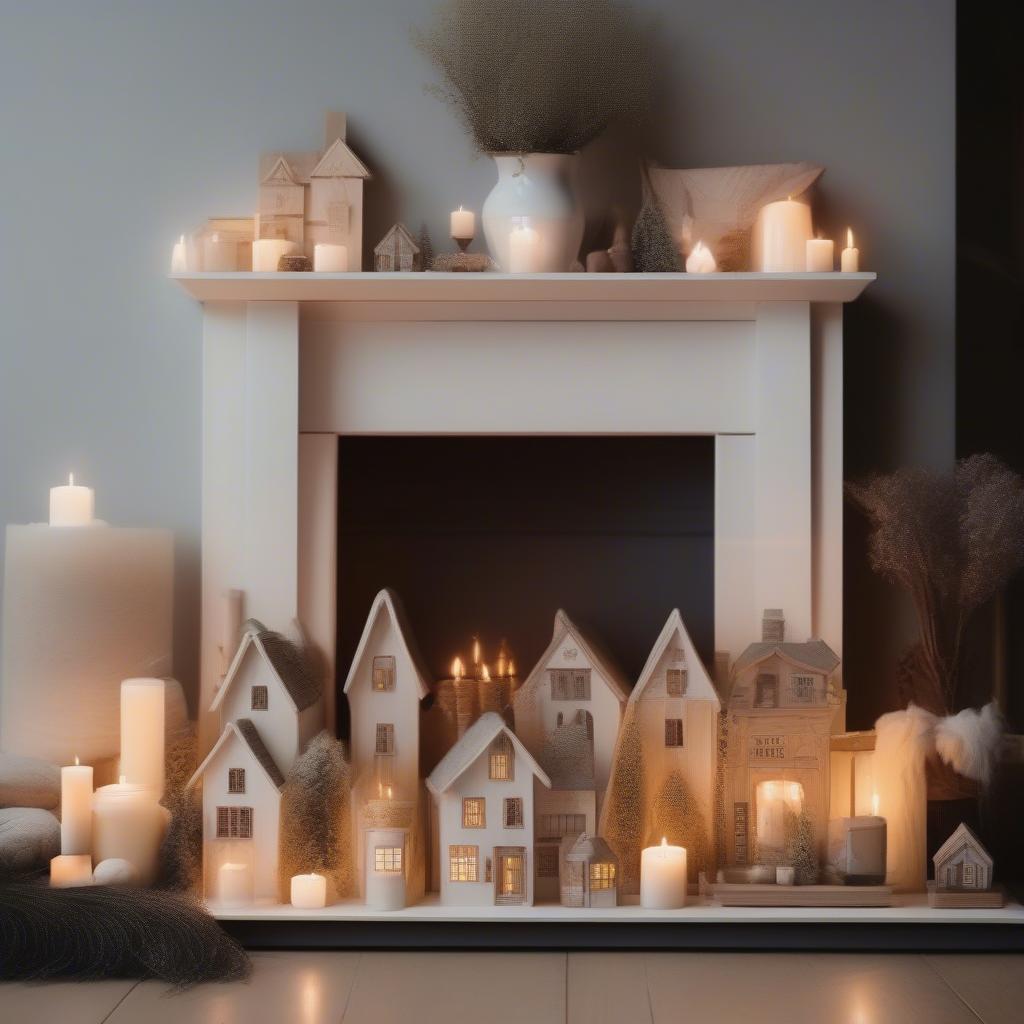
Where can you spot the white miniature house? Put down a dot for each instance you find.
(590, 876)
(484, 791)
(962, 863)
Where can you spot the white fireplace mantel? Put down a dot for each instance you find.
(291, 361)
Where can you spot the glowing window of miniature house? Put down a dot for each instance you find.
(260, 698)
(462, 863)
(676, 682)
(234, 823)
(673, 732)
(236, 780)
(766, 693)
(602, 876)
(778, 802)
(384, 672)
(570, 683)
(803, 688)
(387, 860)
(511, 874)
(513, 812)
(474, 812)
(501, 766)
(385, 738)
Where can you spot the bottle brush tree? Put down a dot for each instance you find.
(801, 849)
(677, 816)
(624, 817)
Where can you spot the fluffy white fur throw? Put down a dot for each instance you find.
(969, 741)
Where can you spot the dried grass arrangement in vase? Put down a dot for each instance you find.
(534, 81)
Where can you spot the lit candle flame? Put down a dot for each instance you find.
(71, 479)
(849, 238)
(457, 668)
(664, 840)
(476, 651)
(511, 667)
(485, 674)
(389, 792)
(181, 240)
(122, 780)
(76, 760)
(874, 804)
(216, 237)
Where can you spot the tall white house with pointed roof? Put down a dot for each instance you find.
(484, 789)
(572, 682)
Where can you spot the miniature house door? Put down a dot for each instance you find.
(510, 874)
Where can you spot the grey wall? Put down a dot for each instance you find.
(123, 124)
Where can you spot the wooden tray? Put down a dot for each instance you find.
(735, 894)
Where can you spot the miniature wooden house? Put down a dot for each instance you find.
(962, 864)
(241, 809)
(396, 251)
(590, 878)
(269, 683)
(484, 790)
(782, 710)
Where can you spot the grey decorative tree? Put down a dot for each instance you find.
(801, 849)
(426, 248)
(654, 251)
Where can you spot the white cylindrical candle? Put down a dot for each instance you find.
(76, 809)
(179, 256)
(267, 251)
(820, 255)
(663, 877)
(234, 883)
(700, 260)
(309, 892)
(849, 259)
(523, 249)
(219, 254)
(71, 869)
(142, 733)
(463, 223)
(128, 823)
(71, 504)
(780, 237)
(330, 258)
(82, 610)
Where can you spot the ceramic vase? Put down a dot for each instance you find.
(535, 191)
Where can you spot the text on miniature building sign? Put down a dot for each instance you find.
(767, 748)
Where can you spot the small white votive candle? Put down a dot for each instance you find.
(267, 251)
(76, 809)
(234, 884)
(663, 877)
(463, 223)
(179, 256)
(700, 260)
(820, 255)
(849, 259)
(70, 869)
(329, 258)
(309, 892)
(523, 249)
(71, 504)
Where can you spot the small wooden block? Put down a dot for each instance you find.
(736, 894)
(964, 899)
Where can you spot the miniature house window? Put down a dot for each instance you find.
(511, 876)
(474, 812)
(803, 689)
(514, 812)
(462, 861)
(676, 681)
(387, 860)
(501, 759)
(969, 875)
(740, 831)
(236, 780)
(384, 672)
(234, 823)
(602, 876)
(561, 824)
(767, 691)
(385, 738)
(570, 683)
(260, 698)
(673, 732)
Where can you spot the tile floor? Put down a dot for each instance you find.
(557, 988)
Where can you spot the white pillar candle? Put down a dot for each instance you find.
(780, 237)
(128, 823)
(463, 223)
(820, 255)
(179, 257)
(523, 249)
(329, 258)
(234, 884)
(219, 254)
(309, 892)
(700, 260)
(142, 733)
(849, 259)
(71, 504)
(663, 877)
(76, 809)
(267, 251)
(70, 869)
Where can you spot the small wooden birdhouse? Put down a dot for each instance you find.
(591, 874)
(962, 863)
(396, 251)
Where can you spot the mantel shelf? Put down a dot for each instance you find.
(490, 287)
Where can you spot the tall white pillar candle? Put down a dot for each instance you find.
(128, 823)
(76, 809)
(219, 254)
(309, 892)
(267, 251)
(523, 249)
(179, 256)
(330, 258)
(70, 869)
(820, 255)
(663, 877)
(780, 237)
(142, 733)
(463, 223)
(71, 504)
(849, 259)
(234, 884)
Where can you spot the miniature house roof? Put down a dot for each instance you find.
(699, 685)
(284, 657)
(339, 161)
(387, 242)
(591, 850)
(564, 626)
(814, 655)
(475, 741)
(244, 732)
(387, 603)
(961, 838)
(280, 173)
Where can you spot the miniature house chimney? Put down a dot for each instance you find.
(773, 626)
(335, 125)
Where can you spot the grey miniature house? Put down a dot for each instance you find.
(962, 863)
(591, 874)
(396, 251)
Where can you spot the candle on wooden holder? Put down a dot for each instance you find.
(820, 255)
(70, 869)
(849, 259)
(663, 877)
(142, 733)
(234, 884)
(267, 252)
(463, 227)
(129, 824)
(76, 809)
(523, 249)
(71, 504)
(179, 256)
(329, 258)
(780, 237)
(309, 892)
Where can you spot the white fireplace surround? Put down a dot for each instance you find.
(292, 361)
